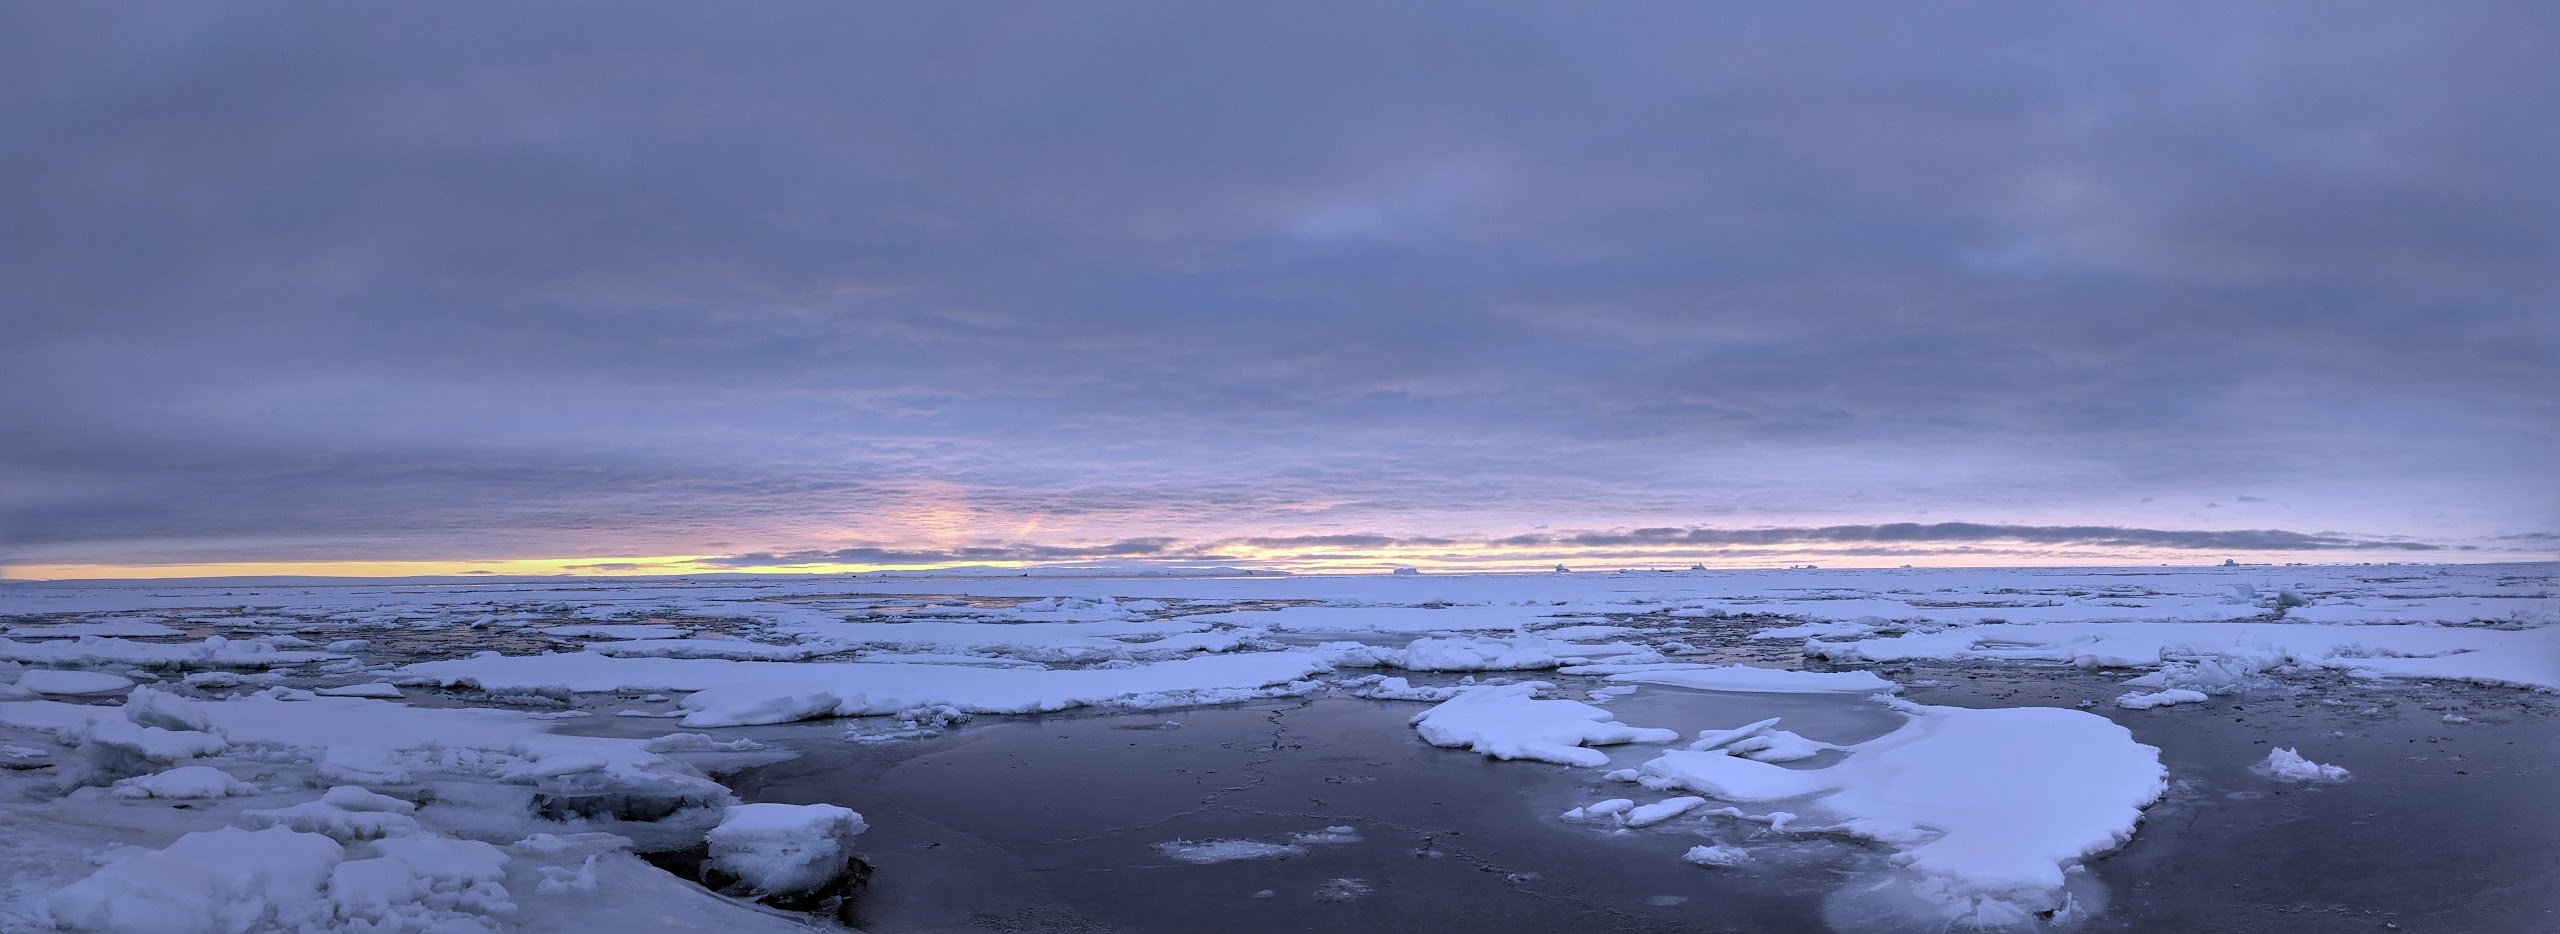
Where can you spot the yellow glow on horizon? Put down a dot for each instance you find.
(1483, 558)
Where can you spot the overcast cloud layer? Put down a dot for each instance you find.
(331, 281)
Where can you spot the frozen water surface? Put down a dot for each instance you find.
(1196, 754)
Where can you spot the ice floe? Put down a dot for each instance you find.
(1510, 722)
(1989, 808)
(2520, 658)
(731, 693)
(785, 849)
(2287, 765)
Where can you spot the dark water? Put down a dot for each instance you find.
(1048, 824)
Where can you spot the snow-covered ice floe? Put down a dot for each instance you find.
(733, 693)
(2287, 765)
(1989, 809)
(785, 849)
(1509, 721)
(214, 652)
(2528, 658)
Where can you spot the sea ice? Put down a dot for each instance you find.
(2140, 701)
(1663, 810)
(1720, 856)
(729, 693)
(1993, 805)
(186, 782)
(1509, 722)
(785, 849)
(51, 681)
(2286, 765)
(2520, 658)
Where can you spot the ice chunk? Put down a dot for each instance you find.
(2286, 765)
(1663, 810)
(1204, 852)
(345, 814)
(699, 742)
(422, 883)
(213, 882)
(1383, 688)
(1341, 890)
(1327, 835)
(1720, 856)
(1509, 722)
(1770, 745)
(785, 849)
(2141, 701)
(1991, 805)
(184, 782)
(51, 681)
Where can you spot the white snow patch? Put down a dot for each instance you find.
(186, 782)
(1992, 805)
(1720, 856)
(2286, 765)
(1509, 722)
(2141, 701)
(785, 849)
(730, 693)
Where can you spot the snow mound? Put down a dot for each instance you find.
(186, 782)
(344, 813)
(2141, 701)
(234, 880)
(1762, 741)
(785, 849)
(1659, 811)
(1718, 857)
(2286, 765)
(1991, 807)
(1205, 852)
(1509, 722)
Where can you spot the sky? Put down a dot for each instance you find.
(355, 286)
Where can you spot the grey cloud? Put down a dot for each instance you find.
(357, 279)
(1146, 548)
(1345, 541)
(1955, 537)
(1910, 532)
